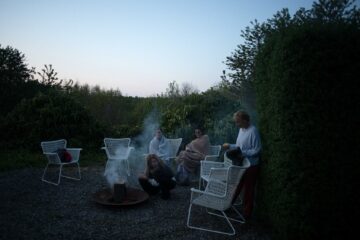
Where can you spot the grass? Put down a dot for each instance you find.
(22, 158)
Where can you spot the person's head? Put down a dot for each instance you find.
(242, 119)
(158, 133)
(199, 131)
(153, 161)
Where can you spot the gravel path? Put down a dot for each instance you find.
(32, 209)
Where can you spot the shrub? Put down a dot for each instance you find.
(307, 83)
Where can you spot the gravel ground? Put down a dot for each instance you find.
(32, 209)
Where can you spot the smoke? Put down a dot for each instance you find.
(151, 123)
(116, 170)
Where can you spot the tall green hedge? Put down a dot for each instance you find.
(307, 83)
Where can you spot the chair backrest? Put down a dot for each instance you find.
(214, 150)
(174, 146)
(227, 161)
(234, 175)
(117, 146)
(52, 146)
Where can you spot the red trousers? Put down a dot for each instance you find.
(247, 184)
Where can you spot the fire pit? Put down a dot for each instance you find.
(133, 196)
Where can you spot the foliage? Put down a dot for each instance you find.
(49, 78)
(48, 117)
(14, 74)
(306, 84)
(212, 109)
(241, 62)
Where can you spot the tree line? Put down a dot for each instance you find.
(297, 76)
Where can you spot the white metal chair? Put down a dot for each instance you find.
(174, 149)
(218, 195)
(211, 162)
(117, 150)
(49, 149)
(175, 145)
(214, 151)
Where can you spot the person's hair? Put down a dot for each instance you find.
(200, 127)
(149, 167)
(242, 115)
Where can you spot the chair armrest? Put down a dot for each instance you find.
(74, 149)
(213, 158)
(196, 192)
(75, 153)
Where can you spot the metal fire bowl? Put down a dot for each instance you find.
(133, 197)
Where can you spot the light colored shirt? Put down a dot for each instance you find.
(249, 142)
(160, 147)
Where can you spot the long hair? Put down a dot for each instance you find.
(149, 167)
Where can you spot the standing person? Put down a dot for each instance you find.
(248, 141)
(158, 177)
(189, 159)
(160, 146)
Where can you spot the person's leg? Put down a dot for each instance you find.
(150, 189)
(249, 190)
(239, 187)
(165, 187)
(182, 176)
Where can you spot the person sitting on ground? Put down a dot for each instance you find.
(189, 160)
(160, 146)
(158, 177)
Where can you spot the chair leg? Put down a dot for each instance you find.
(44, 180)
(241, 220)
(59, 174)
(74, 178)
(210, 230)
(106, 166)
(128, 167)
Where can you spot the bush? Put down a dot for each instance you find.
(307, 94)
(48, 117)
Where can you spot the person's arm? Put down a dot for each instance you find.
(229, 146)
(255, 144)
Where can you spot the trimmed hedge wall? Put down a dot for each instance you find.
(306, 79)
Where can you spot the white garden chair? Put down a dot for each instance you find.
(214, 153)
(49, 149)
(218, 195)
(174, 145)
(117, 151)
(206, 166)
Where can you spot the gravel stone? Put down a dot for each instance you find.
(32, 209)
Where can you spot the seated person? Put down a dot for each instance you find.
(158, 177)
(189, 159)
(160, 146)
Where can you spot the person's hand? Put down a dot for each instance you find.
(143, 176)
(226, 146)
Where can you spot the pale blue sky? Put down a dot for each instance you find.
(135, 46)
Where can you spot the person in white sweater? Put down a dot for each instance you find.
(248, 142)
(160, 146)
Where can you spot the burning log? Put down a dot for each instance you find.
(119, 191)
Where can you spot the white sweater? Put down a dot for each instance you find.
(249, 142)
